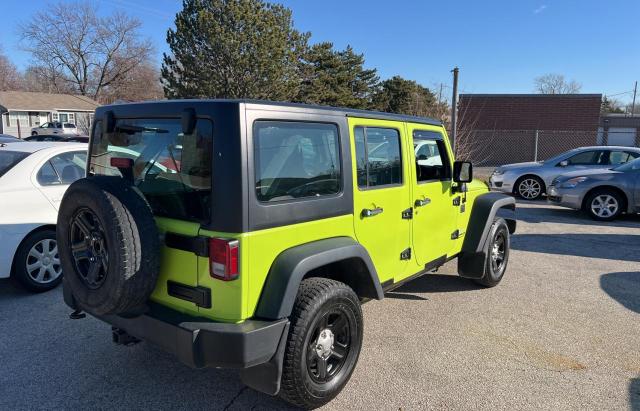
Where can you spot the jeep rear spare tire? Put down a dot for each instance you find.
(108, 245)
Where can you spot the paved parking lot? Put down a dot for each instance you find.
(562, 331)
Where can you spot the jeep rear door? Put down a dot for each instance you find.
(434, 213)
(173, 172)
(381, 194)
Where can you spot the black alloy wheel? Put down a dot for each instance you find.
(328, 346)
(89, 249)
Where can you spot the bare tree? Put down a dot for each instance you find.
(89, 52)
(141, 83)
(10, 78)
(47, 80)
(472, 144)
(556, 84)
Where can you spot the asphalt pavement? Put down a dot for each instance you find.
(562, 331)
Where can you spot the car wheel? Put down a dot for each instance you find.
(323, 344)
(604, 205)
(34, 133)
(497, 251)
(530, 187)
(37, 265)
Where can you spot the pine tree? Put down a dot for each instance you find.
(398, 95)
(233, 49)
(336, 78)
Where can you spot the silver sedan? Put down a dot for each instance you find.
(530, 180)
(603, 194)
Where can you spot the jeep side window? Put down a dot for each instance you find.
(171, 169)
(296, 160)
(432, 161)
(378, 157)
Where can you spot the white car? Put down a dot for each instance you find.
(427, 153)
(33, 179)
(55, 127)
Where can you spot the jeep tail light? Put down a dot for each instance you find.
(223, 258)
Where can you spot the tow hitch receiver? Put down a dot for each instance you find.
(121, 337)
(77, 314)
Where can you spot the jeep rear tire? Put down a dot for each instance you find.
(324, 342)
(108, 245)
(497, 252)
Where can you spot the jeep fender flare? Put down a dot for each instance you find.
(290, 267)
(486, 207)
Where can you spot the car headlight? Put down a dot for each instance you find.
(498, 172)
(573, 182)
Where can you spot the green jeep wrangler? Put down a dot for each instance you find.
(246, 235)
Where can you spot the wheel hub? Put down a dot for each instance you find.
(324, 344)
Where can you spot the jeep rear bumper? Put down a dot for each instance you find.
(200, 343)
(255, 347)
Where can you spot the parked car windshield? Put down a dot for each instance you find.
(172, 169)
(8, 159)
(630, 166)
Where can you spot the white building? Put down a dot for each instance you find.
(21, 110)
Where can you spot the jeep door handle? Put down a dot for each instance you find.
(423, 202)
(371, 212)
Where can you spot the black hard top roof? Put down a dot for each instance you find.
(298, 107)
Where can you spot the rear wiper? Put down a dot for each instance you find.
(137, 129)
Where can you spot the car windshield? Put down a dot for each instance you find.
(8, 159)
(630, 166)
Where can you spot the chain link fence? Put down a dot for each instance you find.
(488, 148)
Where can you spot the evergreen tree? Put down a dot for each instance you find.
(398, 95)
(336, 78)
(233, 49)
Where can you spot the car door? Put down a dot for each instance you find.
(58, 172)
(434, 215)
(55, 128)
(382, 194)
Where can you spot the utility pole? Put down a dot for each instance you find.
(633, 104)
(440, 95)
(454, 108)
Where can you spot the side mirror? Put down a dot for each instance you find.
(462, 172)
(563, 163)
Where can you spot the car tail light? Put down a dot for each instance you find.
(223, 258)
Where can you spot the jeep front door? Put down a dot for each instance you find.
(435, 211)
(381, 194)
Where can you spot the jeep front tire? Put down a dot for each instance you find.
(324, 342)
(497, 252)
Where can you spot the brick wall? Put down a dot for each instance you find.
(571, 112)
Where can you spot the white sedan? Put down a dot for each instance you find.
(33, 179)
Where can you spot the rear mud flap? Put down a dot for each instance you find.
(266, 377)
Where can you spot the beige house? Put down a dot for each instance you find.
(21, 110)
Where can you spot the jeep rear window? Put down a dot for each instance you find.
(296, 160)
(171, 169)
